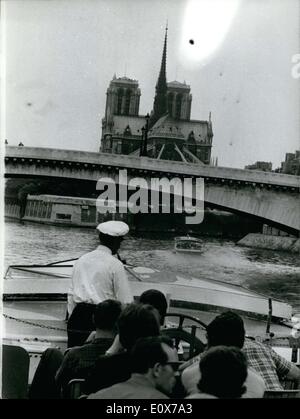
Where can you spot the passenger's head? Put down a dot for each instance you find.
(223, 372)
(137, 321)
(106, 314)
(226, 329)
(156, 358)
(158, 300)
(111, 234)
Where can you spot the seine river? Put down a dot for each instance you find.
(273, 273)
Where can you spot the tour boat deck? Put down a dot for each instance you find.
(35, 308)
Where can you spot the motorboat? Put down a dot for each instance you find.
(188, 244)
(35, 296)
(42, 285)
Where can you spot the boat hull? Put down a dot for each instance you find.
(35, 308)
(192, 293)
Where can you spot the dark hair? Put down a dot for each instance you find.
(157, 299)
(137, 321)
(106, 314)
(223, 372)
(147, 352)
(226, 329)
(112, 242)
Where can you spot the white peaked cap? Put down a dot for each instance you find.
(113, 228)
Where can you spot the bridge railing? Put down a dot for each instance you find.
(152, 165)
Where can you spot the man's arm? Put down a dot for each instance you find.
(71, 303)
(66, 371)
(121, 285)
(286, 369)
(294, 375)
(115, 347)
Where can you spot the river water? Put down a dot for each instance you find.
(276, 274)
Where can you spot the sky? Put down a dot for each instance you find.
(60, 56)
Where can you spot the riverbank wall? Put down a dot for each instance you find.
(82, 212)
(266, 241)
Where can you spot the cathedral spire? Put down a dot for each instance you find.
(162, 74)
(160, 100)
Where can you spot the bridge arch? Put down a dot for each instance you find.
(269, 197)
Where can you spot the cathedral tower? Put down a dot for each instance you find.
(122, 97)
(179, 100)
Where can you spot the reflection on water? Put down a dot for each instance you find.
(273, 273)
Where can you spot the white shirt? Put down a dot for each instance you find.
(98, 276)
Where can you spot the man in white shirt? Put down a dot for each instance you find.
(97, 276)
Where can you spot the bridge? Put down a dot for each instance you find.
(269, 197)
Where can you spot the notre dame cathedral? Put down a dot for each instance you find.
(167, 133)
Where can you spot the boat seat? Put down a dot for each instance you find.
(15, 372)
(281, 394)
(180, 334)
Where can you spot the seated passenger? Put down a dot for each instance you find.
(156, 299)
(136, 321)
(223, 371)
(79, 359)
(43, 385)
(76, 361)
(153, 375)
(261, 358)
(272, 367)
(227, 329)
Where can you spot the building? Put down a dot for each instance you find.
(62, 210)
(167, 133)
(68, 211)
(291, 165)
(260, 165)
